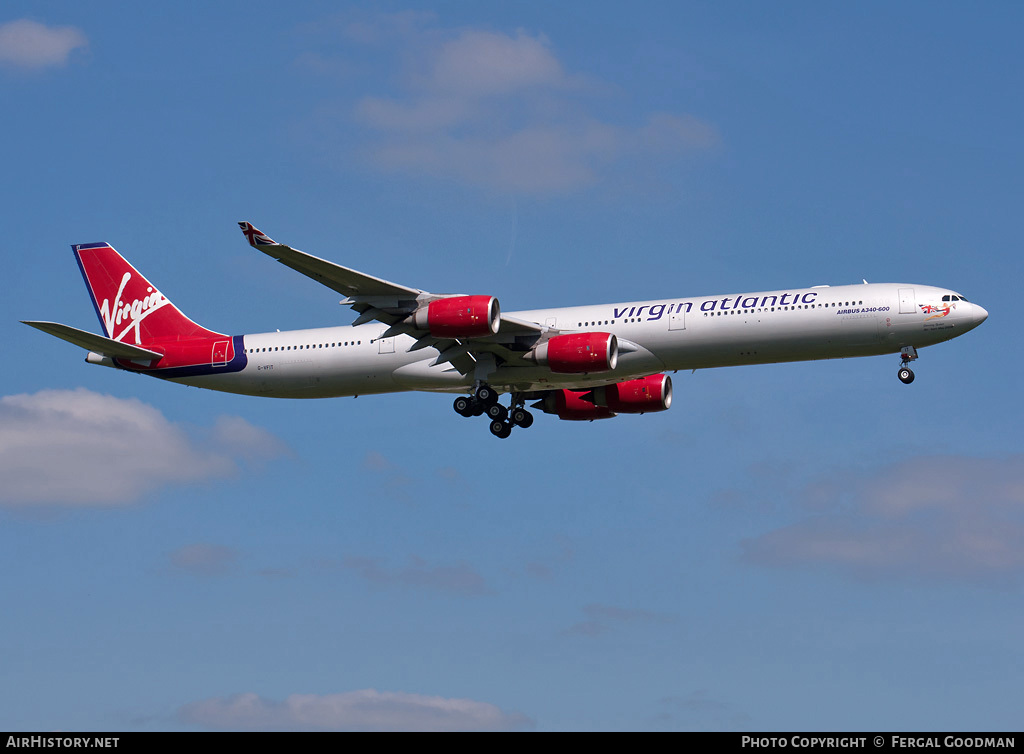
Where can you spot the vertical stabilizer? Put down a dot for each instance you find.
(131, 309)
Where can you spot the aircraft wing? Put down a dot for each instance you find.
(98, 343)
(341, 279)
(392, 304)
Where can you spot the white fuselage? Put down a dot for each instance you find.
(654, 336)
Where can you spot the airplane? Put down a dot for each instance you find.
(578, 363)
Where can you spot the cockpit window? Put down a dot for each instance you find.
(945, 298)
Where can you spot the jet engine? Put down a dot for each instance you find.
(578, 353)
(459, 317)
(571, 405)
(642, 396)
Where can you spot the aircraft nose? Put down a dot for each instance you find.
(980, 315)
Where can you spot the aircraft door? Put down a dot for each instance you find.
(678, 319)
(907, 301)
(385, 345)
(219, 357)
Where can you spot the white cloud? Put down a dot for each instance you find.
(665, 132)
(601, 619)
(431, 115)
(204, 559)
(457, 579)
(365, 710)
(77, 447)
(234, 436)
(481, 63)
(534, 159)
(392, 478)
(938, 517)
(28, 44)
(500, 111)
(375, 461)
(378, 27)
(699, 711)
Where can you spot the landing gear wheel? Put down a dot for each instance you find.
(501, 429)
(497, 411)
(463, 406)
(906, 375)
(487, 395)
(521, 417)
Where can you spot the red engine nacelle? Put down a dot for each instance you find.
(642, 396)
(571, 405)
(460, 317)
(579, 353)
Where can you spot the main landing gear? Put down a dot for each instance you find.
(485, 401)
(906, 374)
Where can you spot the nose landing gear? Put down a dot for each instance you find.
(906, 374)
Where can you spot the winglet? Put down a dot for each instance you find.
(254, 236)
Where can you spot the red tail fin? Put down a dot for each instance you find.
(130, 308)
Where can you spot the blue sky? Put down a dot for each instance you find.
(804, 546)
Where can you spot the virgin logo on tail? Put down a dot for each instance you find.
(132, 314)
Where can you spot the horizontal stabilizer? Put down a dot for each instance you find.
(97, 343)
